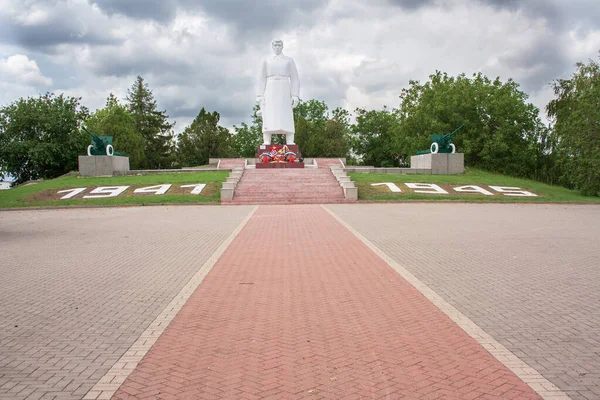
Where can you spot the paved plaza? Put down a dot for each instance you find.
(362, 301)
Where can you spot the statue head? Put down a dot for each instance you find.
(277, 46)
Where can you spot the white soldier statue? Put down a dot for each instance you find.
(277, 94)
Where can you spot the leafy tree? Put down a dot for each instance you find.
(204, 138)
(247, 138)
(502, 131)
(319, 134)
(41, 137)
(152, 124)
(373, 137)
(116, 121)
(309, 123)
(576, 128)
(336, 134)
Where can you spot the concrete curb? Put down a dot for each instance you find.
(349, 187)
(228, 187)
(407, 201)
(165, 171)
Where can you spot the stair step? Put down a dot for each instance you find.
(310, 201)
(266, 198)
(339, 193)
(326, 163)
(229, 163)
(288, 186)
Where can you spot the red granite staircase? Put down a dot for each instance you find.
(288, 186)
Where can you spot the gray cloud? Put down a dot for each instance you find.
(534, 8)
(244, 17)
(55, 33)
(264, 15)
(233, 102)
(233, 110)
(159, 10)
(320, 86)
(411, 4)
(561, 15)
(376, 77)
(110, 62)
(201, 71)
(546, 58)
(41, 25)
(540, 64)
(7, 34)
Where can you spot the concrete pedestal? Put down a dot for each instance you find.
(102, 165)
(440, 163)
(260, 165)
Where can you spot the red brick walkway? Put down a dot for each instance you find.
(298, 307)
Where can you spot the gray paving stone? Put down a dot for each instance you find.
(529, 275)
(79, 286)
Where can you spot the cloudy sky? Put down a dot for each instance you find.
(349, 53)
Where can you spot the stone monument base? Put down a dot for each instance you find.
(278, 163)
(102, 165)
(440, 163)
(261, 165)
(265, 148)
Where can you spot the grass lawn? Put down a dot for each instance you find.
(24, 196)
(546, 193)
(43, 194)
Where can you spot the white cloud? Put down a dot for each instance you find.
(19, 69)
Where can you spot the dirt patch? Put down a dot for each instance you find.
(209, 190)
(43, 196)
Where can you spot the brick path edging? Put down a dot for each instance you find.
(114, 378)
(527, 374)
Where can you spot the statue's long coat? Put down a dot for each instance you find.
(277, 83)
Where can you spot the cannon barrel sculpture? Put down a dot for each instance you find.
(442, 143)
(101, 145)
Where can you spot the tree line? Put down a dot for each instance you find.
(42, 137)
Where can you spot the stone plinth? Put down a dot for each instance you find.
(260, 165)
(440, 163)
(102, 165)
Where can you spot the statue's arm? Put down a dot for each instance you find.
(294, 80)
(262, 81)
